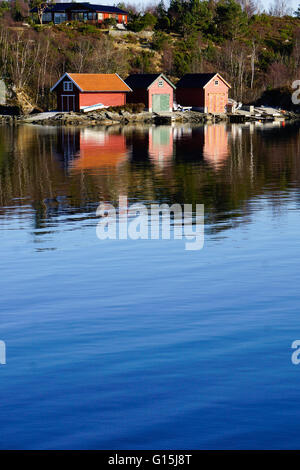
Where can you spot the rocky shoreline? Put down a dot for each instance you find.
(106, 117)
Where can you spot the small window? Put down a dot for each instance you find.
(160, 83)
(68, 86)
(47, 17)
(216, 82)
(100, 16)
(60, 18)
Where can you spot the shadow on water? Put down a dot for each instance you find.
(59, 171)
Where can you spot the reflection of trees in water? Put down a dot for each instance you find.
(59, 171)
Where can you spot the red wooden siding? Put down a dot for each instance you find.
(82, 99)
(157, 90)
(142, 95)
(138, 96)
(216, 96)
(211, 98)
(190, 97)
(108, 99)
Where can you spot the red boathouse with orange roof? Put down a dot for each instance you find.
(76, 91)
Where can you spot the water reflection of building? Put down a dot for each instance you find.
(82, 149)
(215, 148)
(68, 145)
(209, 143)
(88, 148)
(161, 144)
(100, 149)
(189, 144)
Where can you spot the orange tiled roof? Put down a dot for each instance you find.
(99, 82)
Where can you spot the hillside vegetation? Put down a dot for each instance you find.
(255, 52)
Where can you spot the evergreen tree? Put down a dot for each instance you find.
(297, 12)
(231, 21)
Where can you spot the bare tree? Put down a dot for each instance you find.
(25, 55)
(280, 8)
(253, 57)
(250, 7)
(41, 6)
(278, 74)
(82, 55)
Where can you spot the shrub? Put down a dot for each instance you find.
(88, 29)
(160, 40)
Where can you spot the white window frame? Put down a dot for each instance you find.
(160, 83)
(68, 86)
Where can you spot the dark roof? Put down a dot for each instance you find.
(195, 80)
(144, 80)
(105, 8)
(61, 7)
(57, 7)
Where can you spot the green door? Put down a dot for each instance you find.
(160, 103)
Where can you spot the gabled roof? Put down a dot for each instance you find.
(198, 80)
(96, 82)
(64, 6)
(145, 80)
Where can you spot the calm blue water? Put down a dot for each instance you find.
(141, 344)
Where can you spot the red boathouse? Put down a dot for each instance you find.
(155, 90)
(75, 91)
(206, 92)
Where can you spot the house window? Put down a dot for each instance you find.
(68, 86)
(123, 18)
(160, 83)
(79, 16)
(59, 18)
(100, 16)
(47, 17)
(216, 82)
(90, 15)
